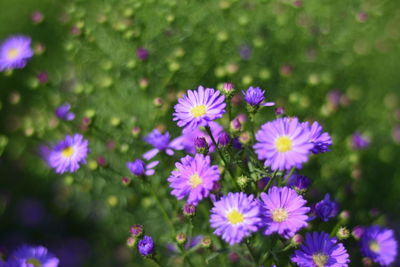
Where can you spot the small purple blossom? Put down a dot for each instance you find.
(298, 182)
(320, 250)
(321, 141)
(284, 211)
(194, 177)
(235, 216)
(224, 139)
(142, 53)
(254, 96)
(68, 154)
(139, 168)
(63, 112)
(283, 144)
(161, 142)
(359, 141)
(146, 246)
(189, 136)
(15, 52)
(326, 208)
(379, 244)
(199, 108)
(35, 256)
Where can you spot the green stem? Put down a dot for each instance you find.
(289, 174)
(222, 157)
(155, 261)
(253, 257)
(336, 228)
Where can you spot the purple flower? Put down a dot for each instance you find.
(235, 217)
(283, 144)
(326, 208)
(298, 182)
(224, 139)
(254, 96)
(199, 107)
(142, 53)
(194, 177)
(379, 244)
(189, 136)
(319, 250)
(33, 256)
(358, 141)
(63, 112)
(69, 153)
(146, 246)
(284, 211)
(139, 168)
(161, 142)
(321, 141)
(15, 52)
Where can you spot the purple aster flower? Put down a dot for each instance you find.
(298, 182)
(326, 208)
(283, 211)
(15, 52)
(139, 168)
(69, 153)
(254, 96)
(35, 256)
(379, 244)
(63, 112)
(146, 246)
(190, 135)
(199, 107)
(142, 53)
(321, 141)
(359, 141)
(283, 144)
(235, 216)
(15, 263)
(194, 177)
(320, 250)
(161, 142)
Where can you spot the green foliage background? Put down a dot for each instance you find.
(192, 43)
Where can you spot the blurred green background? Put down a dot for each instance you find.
(332, 61)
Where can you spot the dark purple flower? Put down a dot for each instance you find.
(63, 112)
(142, 53)
(299, 182)
(326, 208)
(200, 142)
(224, 139)
(136, 230)
(146, 246)
(358, 141)
(42, 77)
(254, 96)
(139, 168)
(379, 244)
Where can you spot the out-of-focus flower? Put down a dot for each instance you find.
(139, 168)
(359, 141)
(199, 107)
(63, 112)
(142, 53)
(283, 211)
(15, 52)
(161, 142)
(283, 144)
(320, 250)
(37, 17)
(194, 177)
(299, 182)
(69, 153)
(321, 141)
(35, 256)
(235, 217)
(379, 244)
(327, 209)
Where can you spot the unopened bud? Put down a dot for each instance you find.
(242, 181)
(206, 242)
(344, 215)
(235, 125)
(367, 262)
(158, 102)
(343, 233)
(201, 145)
(125, 181)
(131, 242)
(189, 210)
(227, 89)
(233, 257)
(357, 232)
(224, 139)
(136, 230)
(180, 238)
(244, 138)
(297, 240)
(135, 131)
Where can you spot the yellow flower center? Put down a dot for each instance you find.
(320, 259)
(279, 215)
(199, 111)
(34, 262)
(235, 217)
(68, 151)
(12, 53)
(195, 180)
(374, 246)
(283, 144)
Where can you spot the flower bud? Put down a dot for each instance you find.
(343, 233)
(244, 138)
(227, 89)
(180, 238)
(201, 145)
(135, 131)
(242, 181)
(136, 230)
(224, 139)
(296, 240)
(158, 102)
(344, 215)
(131, 242)
(233, 257)
(125, 181)
(367, 262)
(357, 232)
(189, 210)
(206, 242)
(235, 125)
(279, 111)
